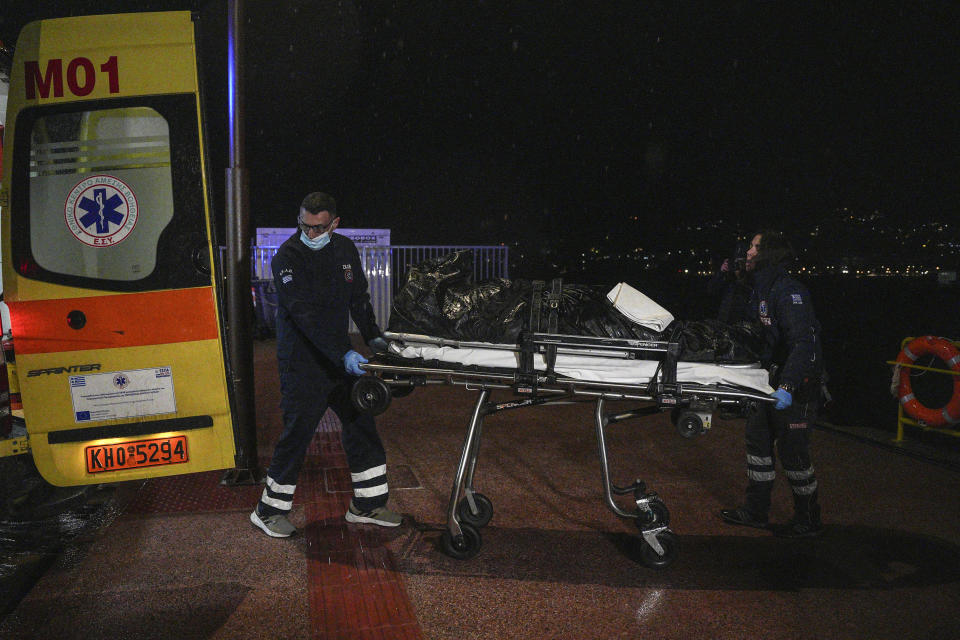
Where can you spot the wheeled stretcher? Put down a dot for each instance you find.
(549, 368)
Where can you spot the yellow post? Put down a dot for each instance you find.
(899, 438)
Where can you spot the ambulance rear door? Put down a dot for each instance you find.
(107, 252)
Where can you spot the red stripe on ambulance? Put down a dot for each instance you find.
(111, 322)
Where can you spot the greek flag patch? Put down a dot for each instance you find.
(797, 298)
(287, 279)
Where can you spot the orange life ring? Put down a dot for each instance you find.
(943, 349)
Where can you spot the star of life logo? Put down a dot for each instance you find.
(101, 211)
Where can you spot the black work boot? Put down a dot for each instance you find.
(743, 517)
(806, 519)
(754, 511)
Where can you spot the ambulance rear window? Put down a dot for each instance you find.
(114, 194)
(100, 192)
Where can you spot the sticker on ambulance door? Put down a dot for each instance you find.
(101, 211)
(122, 394)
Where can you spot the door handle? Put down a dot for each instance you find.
(201, 259)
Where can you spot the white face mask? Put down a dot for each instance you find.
(315, 243)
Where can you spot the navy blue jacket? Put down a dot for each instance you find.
(791, 330)
(317, 292)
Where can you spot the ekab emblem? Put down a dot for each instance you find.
(101, 211)
(764, 318)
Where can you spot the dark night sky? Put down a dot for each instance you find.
(553, 123)
(502, 119)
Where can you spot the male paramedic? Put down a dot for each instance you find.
(320, 285)
(792, 353)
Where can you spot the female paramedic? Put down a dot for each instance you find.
(792, 353)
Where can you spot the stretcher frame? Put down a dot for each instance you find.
(692, 406)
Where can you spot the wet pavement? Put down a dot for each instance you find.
(178, 558)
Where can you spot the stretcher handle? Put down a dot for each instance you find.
(446, 342)
(601, 342)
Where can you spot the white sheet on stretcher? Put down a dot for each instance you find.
(595, 368)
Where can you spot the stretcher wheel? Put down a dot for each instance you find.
(370, 394)
(671, 547)
(484, 511)
(688, 424)
(462, 547)
(658, 515)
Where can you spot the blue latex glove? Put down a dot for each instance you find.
(784, 398)
(352, 361)
(378, 344)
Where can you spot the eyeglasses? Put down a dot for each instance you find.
(316, 228)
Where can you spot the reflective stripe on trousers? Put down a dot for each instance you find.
(760, 468)
(371, 482)
(802, 482)
(279, 496)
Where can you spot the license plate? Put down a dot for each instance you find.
(133, 455)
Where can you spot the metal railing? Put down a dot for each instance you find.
(489, 261)
(386, 270)
(260, 258)
(394, 261)
(377, 267)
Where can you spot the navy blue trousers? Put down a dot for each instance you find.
(770, 432)
(307, 391)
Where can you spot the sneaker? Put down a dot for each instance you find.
(381, 516)
(742, 517)
(275, 526)
(799, 528)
